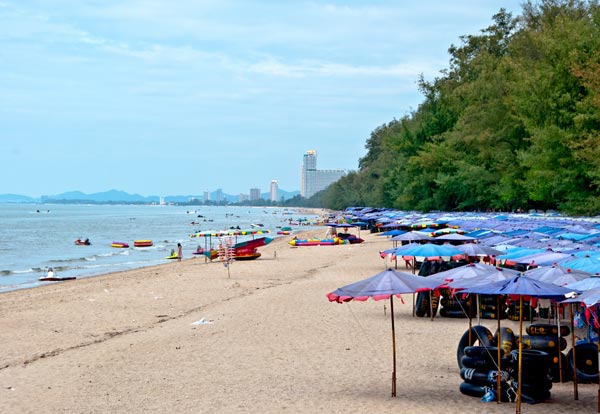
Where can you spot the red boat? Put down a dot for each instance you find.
(80, 242)
(246, 253)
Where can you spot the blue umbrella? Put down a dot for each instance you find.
(384, 285)
(521, 286)
(428, 250)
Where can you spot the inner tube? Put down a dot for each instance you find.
(477, 334)
(452, 313)
(550, 344)
(587, 362)
(546, 329)
(507, 339)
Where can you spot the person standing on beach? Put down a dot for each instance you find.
(179, 253)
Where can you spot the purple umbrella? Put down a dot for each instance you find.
(383, 285)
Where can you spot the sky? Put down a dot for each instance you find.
(162, 97)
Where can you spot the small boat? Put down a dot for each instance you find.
(199, 250)
(246, 253)
(120, 245)
(142, 243)
(172, 256)
(52, 277)
(80, 242)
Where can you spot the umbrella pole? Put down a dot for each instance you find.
(575, 390)
(431, 305)
(560, 368)
(393, 346)
(478, 312)
(499, 378)
(520, 364)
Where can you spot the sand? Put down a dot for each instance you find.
(267, 341)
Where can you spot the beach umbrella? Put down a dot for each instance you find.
(521, 286)
(557, 274)
(476, 249)
(542, 258)
(455, 237)
(384, 285)
(411, 236)
(585, 284)
(587, 264)
(428, 250)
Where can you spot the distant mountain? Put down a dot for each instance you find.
(117, 196)
(16, 198)
(103, 197)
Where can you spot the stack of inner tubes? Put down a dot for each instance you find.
(514, 310)
(535, 376)
(586, 362)
(480, 374)
(545, 337)
(480, 367)
(455, 306)
(422, 306)
(488, 307)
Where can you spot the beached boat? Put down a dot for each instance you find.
(142, 243)
(246, 253)
(247, 256)
(56, 278)
(120, 245)
(172, 256)
(261, 241)
(80, 242)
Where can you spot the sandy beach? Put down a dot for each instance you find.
(186, 337)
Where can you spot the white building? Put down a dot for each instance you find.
(313, 180)
(254, 194)
(274, 190)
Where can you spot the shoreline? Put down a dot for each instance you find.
(266, 341)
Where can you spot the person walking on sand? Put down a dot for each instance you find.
(179, 253)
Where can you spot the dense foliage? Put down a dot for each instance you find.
(513, 122)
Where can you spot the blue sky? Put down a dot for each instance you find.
(162, 97)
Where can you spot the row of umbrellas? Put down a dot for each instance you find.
(474, 279)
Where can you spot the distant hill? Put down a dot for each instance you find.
(117, 196)
(16, 198)
(103, 197)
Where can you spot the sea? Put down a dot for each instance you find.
(36, 237)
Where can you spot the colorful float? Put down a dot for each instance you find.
(142, 243)
(316, 242)
(120, 245)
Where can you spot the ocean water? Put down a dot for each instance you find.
(34, 237)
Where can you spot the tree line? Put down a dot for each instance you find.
(512, 123)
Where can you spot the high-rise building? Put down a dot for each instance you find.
(254, 194)
(274, 190)
(206, 196)
(313, 180)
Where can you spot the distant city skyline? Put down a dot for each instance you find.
(161, 97)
